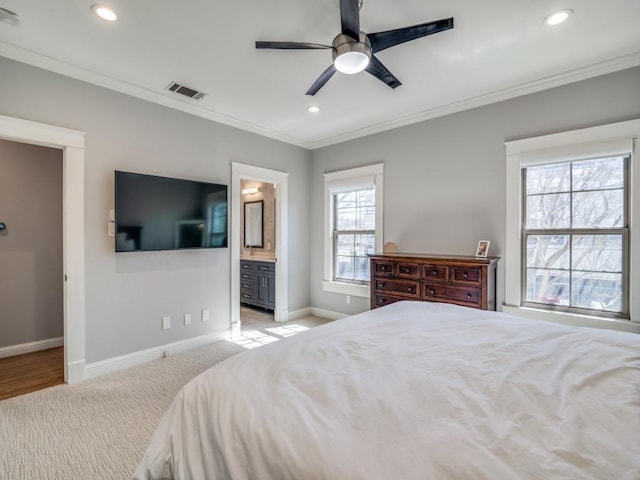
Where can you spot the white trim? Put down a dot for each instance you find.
(572, 76)
(114, 364)
(359, 177)
(347, 288)
(29, 347)
(573, 319)
(241, 171)
(72, 144)
(582, 73)
(559, 146)
(329, 314)
(300, 313)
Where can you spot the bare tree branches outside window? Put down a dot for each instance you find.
(575, 234)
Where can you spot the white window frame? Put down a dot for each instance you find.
(345, 180)
(612, 139)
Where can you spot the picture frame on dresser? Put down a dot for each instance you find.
(483, 249)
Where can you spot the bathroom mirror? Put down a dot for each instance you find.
(253, 224)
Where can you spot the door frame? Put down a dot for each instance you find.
(240, 171)
(71, 142)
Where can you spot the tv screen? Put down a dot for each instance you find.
(160, 213)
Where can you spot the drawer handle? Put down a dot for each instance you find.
(382, 284)
(410, 289)
(407, 270)
(465, 275)
(245, 295)
(468, 296)
(432, 291)
(382, 300)
(382, 268)
(434, 272)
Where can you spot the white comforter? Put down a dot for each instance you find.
(412, 391)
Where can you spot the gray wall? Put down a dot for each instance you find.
(127, 294)
(444, 179)
(31, 246)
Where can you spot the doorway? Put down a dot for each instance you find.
(31, 287)
(71, 142)
(279, 180)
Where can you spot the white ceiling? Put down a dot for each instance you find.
(498, 49)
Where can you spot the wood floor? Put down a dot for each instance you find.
(30, 372)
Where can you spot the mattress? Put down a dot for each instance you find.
(413, 390)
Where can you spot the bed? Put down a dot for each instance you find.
(413, 390)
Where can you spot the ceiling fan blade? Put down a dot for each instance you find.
(378, 70)
(322, 79)
(381, 40)
(291, 45)
(350, 18)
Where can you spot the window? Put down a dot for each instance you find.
(572, 252)
(354, 234)
(353, 228)
(575, 233)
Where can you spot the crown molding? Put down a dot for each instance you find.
(63, 68)
(576, 75)
(582, 73)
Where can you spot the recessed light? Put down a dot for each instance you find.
(104, 13)
(557, 17)
(313, 109)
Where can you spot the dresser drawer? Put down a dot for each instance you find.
(247, 265)
(435, 273)
(247, 276)
(465, 275)
(469, 296)
(380, 300)
(408, 270)
(383, 268)
(398, 287)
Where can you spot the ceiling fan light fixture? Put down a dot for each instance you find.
(351, 56)
(558, 17)
(351, 62)
(104, 12)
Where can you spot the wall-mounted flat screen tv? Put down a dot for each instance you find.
(160, 213)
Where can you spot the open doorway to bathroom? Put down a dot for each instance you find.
(259, 246)
(257, 253)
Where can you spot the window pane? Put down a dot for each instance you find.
(548, 211)
(344, 267)
(598, 291)
(366, 219)
(548, 286)
(598, 173)
(598, 209)
(548, 251)
(548, 178)
(345, 244)
(597, 253)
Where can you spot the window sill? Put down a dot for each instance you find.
(346, 289)
(573, 319)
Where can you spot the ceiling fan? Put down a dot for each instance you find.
(353, 49)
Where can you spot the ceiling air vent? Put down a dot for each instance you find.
(186, 91)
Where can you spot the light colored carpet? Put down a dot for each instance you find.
(100, 428)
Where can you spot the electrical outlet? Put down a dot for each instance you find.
(205, 315)
(187, 319)
(166, 323)
(111, 229)
(349, 299)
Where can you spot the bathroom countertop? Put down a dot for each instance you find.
(258, 258)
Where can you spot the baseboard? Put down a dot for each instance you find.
(331, 315)
(303, 312)
(136, 358)
(29, 347)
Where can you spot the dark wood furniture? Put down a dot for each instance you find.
(462, 280)
(258, 283)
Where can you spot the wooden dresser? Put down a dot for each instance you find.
(462, 280)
